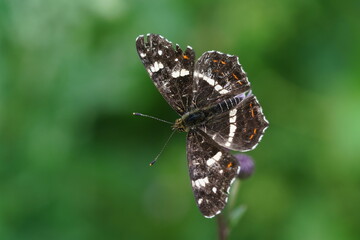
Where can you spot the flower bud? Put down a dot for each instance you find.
(246, 165)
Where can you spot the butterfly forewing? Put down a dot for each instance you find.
(171, 69)
(212, 170)
(217, 76)
(241, 128)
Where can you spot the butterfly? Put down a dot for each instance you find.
(217, 110)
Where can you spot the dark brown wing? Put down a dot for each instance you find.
(171, 69)
(212, 170)
(217, 76)
(241, 128)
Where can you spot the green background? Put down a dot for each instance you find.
(74, 161)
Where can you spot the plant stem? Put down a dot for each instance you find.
(223, 229)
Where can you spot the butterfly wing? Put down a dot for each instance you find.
(239, 129)
(171, 69)
(217, 76)
(220, 79)
(212, 170)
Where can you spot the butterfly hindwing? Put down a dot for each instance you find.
(212, 170)
(217, 76)
(171, 69)
(241, 128)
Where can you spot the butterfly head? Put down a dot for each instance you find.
(180, 126)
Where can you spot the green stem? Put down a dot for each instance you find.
(234, 192)
(223, 229)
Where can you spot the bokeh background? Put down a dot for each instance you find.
(74, 161)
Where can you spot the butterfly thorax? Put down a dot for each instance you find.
(190, 120)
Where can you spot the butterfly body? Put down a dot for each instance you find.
(217, 108)
(199, 117)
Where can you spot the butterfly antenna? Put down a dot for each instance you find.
(167, 141)
(148, 116)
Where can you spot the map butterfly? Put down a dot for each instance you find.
(217, 108)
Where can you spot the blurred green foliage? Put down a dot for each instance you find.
(74, 161)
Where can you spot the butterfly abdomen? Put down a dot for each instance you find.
(225, 106)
